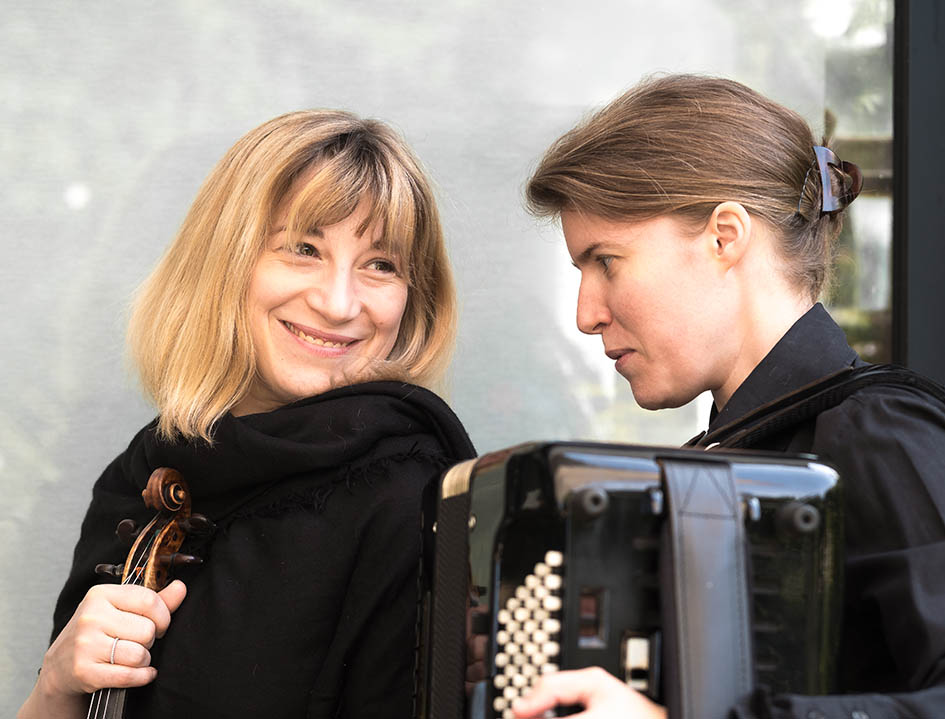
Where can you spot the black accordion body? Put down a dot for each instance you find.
(694, 576)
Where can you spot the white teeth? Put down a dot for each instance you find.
(314, 340)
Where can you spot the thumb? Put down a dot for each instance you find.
(173, 595)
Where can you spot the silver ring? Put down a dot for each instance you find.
(111, 659)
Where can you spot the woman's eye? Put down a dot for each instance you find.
(306, 249)
(385, 266)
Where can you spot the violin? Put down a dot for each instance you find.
(152, 556)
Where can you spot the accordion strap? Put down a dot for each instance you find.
(809, 401)
(451, 594)
(704, 586)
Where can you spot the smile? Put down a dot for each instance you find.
(316, 340)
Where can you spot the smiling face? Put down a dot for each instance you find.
(660, 303)
(320, 306)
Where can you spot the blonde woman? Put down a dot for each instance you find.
(702, 217)
(282, 338)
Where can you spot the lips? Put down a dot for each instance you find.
(319, 339)
(620, 357)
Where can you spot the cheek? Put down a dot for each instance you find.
(389, 312)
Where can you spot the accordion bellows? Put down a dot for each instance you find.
(694, 576)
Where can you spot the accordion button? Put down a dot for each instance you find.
(501, 659)
(551, 603)
(554, 559)
(500, 703)
(501, 681)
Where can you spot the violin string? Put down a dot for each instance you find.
(133, 576)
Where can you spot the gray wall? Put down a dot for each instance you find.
(112, 113)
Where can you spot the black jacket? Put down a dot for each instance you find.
(888, 444)
(306, 604)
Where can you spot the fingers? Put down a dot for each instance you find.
(129, 612)
(128, 654)
(580, 686)
(86, 657)
(172, 596)
(601, 694)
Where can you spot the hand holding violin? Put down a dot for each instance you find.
(104, 648)
(80, 660)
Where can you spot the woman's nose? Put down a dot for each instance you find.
(592, 311)
(339, 300)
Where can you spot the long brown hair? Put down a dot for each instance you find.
(682, 144)
(188, 334)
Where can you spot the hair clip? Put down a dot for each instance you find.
(831, 201)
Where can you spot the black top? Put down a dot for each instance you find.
(306, 604)
(888, 443)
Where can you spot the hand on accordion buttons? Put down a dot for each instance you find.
(602, 695)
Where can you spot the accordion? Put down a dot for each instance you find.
(694, 576)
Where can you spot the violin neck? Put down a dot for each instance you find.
(107, 704)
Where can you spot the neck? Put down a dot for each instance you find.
(765, 318)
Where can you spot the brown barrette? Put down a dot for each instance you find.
(852, 181)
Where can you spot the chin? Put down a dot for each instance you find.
(658, 400)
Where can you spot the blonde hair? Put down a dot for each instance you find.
(188, 334)
(682, 144)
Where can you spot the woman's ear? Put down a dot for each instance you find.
(729, 231)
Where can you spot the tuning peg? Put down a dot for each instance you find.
(110, 570)
(127, 530)
(177, 559)
(198, 525)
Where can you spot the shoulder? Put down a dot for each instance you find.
(888, 412)
(888, 443)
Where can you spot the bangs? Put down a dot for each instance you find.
(356, 175)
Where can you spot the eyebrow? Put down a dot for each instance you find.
(586, 255)
(378, 244)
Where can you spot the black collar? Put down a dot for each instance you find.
(814, 347)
